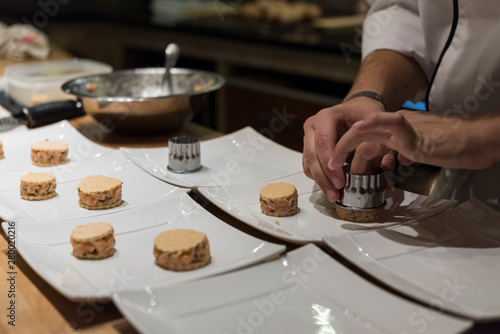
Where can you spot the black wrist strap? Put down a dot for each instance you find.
(371, 95)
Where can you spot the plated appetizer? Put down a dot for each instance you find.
(279, 199)
(49, 153)
(97, 192)
(38, 186)
(181, 249)
(93, 241)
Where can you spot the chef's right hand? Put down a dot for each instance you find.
(321, 133)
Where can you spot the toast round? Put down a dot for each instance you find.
(104, 207)
(91, 232)
(98, 183)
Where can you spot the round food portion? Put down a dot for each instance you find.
(38, 186)
(279, 199)
(92, 231)
(363, 216)
(97, 192)
(93, 241)
(50, 145)
(38, 177)
(98, 183)
(49, 153)
(278, 190)
(1, 150)
(181, 249)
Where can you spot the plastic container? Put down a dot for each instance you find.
(37, 83)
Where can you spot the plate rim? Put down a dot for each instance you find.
(247, 129)
(207, 192)
(297, 254)
(378, 271)
(274, 249)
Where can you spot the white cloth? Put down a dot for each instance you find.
(467, 80)
(21, 41)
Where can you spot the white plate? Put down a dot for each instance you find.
(241, 157)
(16, 129)
(305, 291)
(138, 188)
(132, 266)
(17, 147)
(316, 217)
(450, 261)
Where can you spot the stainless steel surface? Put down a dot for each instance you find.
(133, 101)
(184, 154)
(8, 123)
(171, 55)
(417, 178)
(363, 191)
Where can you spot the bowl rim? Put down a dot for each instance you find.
(68, 86)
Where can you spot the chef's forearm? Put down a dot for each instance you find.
(390, 74)
(454, 141)
(484, 147)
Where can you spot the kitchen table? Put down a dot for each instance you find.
(41, 309)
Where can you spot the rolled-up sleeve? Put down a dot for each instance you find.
(396, 25)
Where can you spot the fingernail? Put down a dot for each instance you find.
(332, 165)
(336, 182)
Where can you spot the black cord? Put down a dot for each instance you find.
(446, 46)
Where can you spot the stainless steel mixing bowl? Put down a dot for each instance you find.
(139, 102)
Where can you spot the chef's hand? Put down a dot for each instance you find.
(369, 158)
(321, 134)
(450, 142)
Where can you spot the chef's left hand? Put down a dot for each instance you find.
(445, 141)
(376, 135)
(368, 159)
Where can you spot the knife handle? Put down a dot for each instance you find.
(52, 112)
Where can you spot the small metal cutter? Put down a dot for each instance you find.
(362, 192)
(184, 154)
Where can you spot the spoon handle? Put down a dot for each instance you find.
(171, 55)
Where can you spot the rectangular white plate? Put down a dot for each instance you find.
(305, 291)
(317, 217)
(17, 147)
(138, 188)
(241, 157)
(46, 248)
(450, 261)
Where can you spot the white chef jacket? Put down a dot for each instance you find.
(457, 45)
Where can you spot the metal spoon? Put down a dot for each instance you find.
(171, 55)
